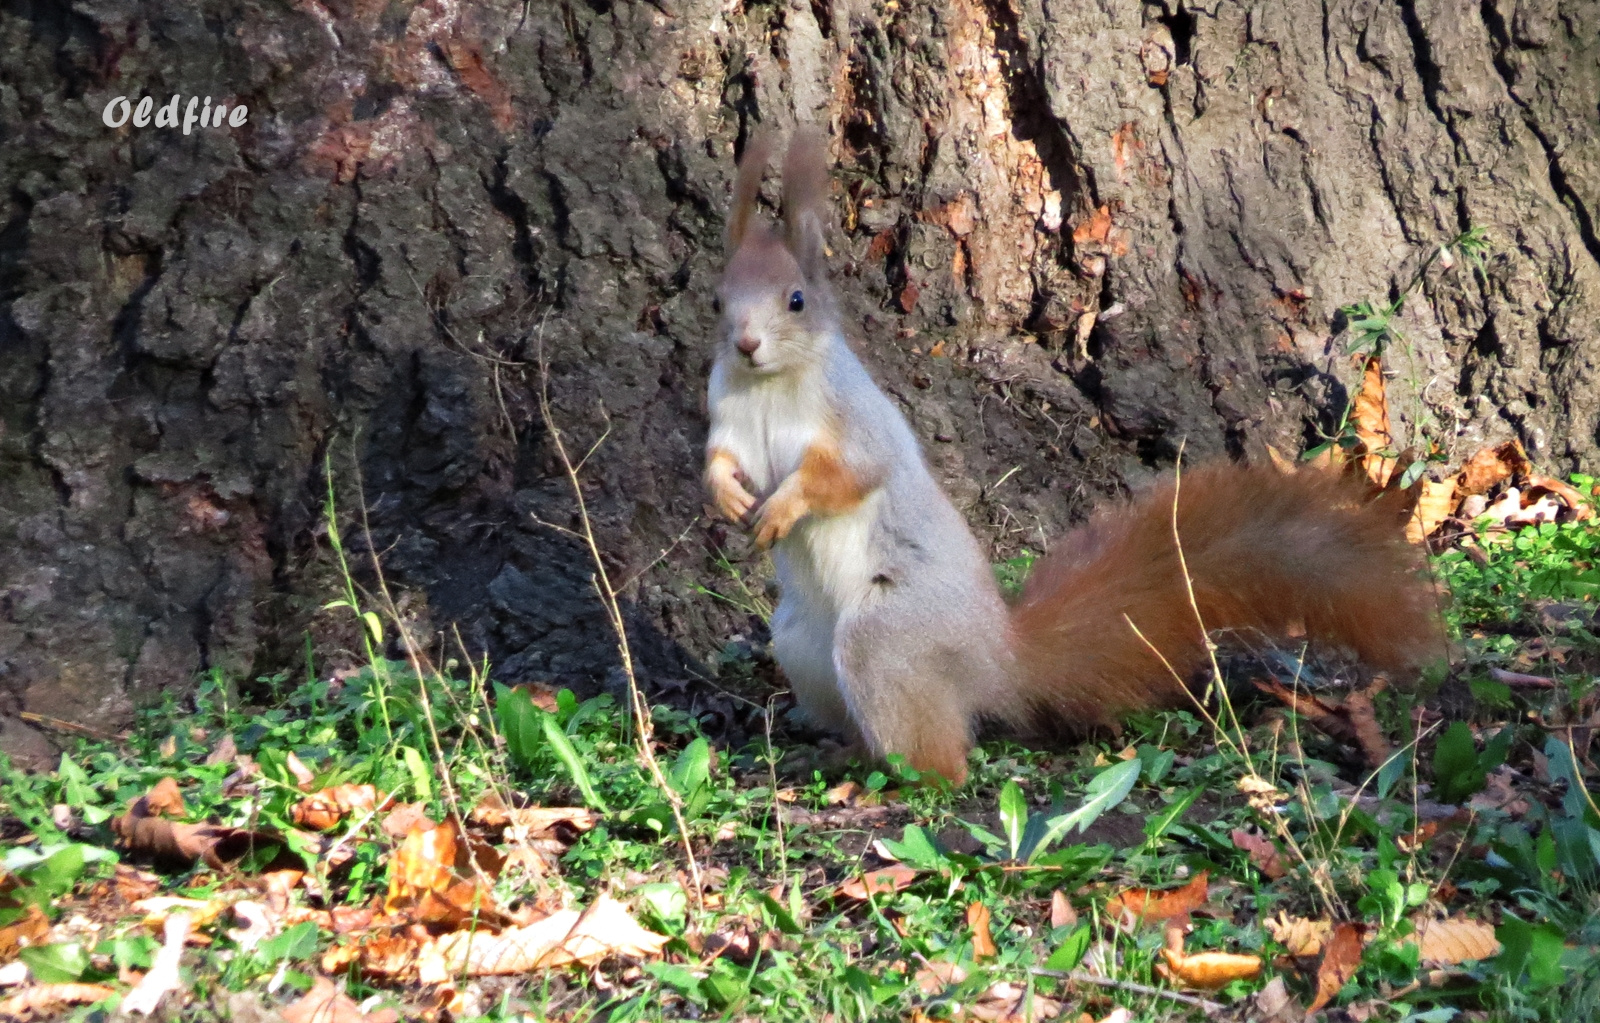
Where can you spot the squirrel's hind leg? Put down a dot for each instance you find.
(905, 691)
(802, 643)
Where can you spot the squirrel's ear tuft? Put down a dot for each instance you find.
(746, 186)
(805, 198)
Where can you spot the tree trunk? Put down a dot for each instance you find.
(1072, 238)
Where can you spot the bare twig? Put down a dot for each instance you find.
(644, 725)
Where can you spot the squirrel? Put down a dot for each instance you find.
(891, 627)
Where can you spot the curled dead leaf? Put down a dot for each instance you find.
(326, 1003)
(1209, 970)
(143, 831)
(1490, 467)
(1144, 905)
(1370, 417)
(1340, 957)
(1302, 938)
(604, 930)
(1452, 942)
(1262, 850)
(893, 878)
(432, 880)
(321, 811)
(48, 999)
(1436, 502)
(983, 946)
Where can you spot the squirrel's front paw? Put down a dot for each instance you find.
(733, 501)
(778, 516)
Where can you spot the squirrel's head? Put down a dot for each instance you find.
(777, 310)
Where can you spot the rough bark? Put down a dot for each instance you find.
(427, 194)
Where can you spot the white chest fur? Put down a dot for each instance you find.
(767, 423)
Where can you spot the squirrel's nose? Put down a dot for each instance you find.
(748, 344)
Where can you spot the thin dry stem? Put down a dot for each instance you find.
(644, 725)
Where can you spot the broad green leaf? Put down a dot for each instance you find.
(667, 903)
(1455, 764)
(1108, 788)
(916, 847)
(1013, 815)
(294, 944)
(417, 768)
(1071, 952)
(568, 756)
(1530, 954)
(1156, 827)
(519, 723)
(55, 964)
(692, 768)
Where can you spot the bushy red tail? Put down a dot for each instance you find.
(1285, 554)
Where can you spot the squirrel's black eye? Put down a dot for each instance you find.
(716, 305)
(797, 302)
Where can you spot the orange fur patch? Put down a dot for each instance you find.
(826, 483)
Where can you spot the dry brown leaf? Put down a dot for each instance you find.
(28, 929)
(1208, 970)
(1143, 905)
(1263, 852)
(1351, 723)
(1302, 937)
(935, 976)
(1436, 502)
(161, 909)
(304, 777)
(50, 998)
(604, 930)
(142, 830)
(323, 810)
(1370, 417)
(1492, 466)
(406, 818)
(1359, 707)
(1005, 1002)
(1061, 912)
(163, 977)
(1282, 462)
(893, 878)
(1452, 942)
(325, 1003)
(1416, 838)
(1571, 496)
(1277, 1005)
(1500, 793)
(1262, 795)
(431, 880)
(983, 946)
(164, 799)
(1340, 957)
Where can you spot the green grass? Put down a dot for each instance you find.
(447, 737)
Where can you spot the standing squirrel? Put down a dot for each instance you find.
(891, 627)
